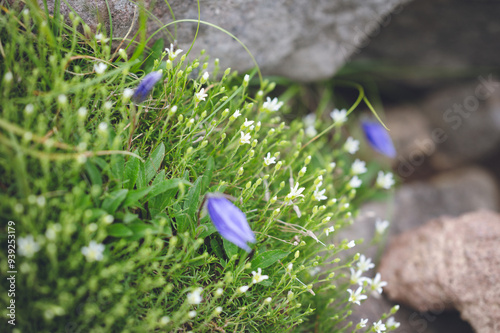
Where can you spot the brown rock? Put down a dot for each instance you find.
(449, 263)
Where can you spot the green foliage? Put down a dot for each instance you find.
(82, 165)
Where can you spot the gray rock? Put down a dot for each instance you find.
(302, 40)
(449, 263)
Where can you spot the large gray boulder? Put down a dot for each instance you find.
(302, 40)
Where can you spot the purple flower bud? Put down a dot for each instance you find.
(147, 84)
(378, 138)
(229, 221)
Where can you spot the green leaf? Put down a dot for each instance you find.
(207, 176)
(148, 170)
(268, 258)
(139, 230)
(208, 229)
(190, 207)
(119, 230)
(134, 196)
(166, 185)
(94, 173)
(230, 248)
(156, 51)
(214, 243)
(131, 172)
(118, 166)
(113, 201)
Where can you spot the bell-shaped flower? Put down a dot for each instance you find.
(378, 138)
(229, 221)
(146, 86)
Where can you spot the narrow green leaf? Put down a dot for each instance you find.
(134, 196)
(148, 170)
(190, 207)
(131, 172)
(119, 230)
(113, 201)
(207, 175)
(208, 229)
(230, 248)
(93, 173)
(268, 258)
(118, 167)
(156, 51)
(214, 243)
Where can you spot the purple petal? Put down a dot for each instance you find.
(146, 86)
(378, 138)
(230, 222)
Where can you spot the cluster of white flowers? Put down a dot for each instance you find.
(195, 296)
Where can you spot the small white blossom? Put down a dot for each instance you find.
(376, 285)
(127, 93)
(219, 292)
(295, 192)
(381, 226)
(385, 180)
(362, 323)
(29, 108)
(355, 182)
(258, 277)
(165, 320)
(27, 246)
(379, 327)
(192, 314)
(272, 105)
(100, 37)
(391, 323)
(171, 53)
(100, 67)
(356, 277)
(247, 123)
(356, 297)
(103, 127)
(236, 114)
(309, 120)
(364, 264)
(289, 267)
(82, 112)
(218, 310)
(246, 78)
(93, 252)
(195, 296)
(62, 99)
(108, 105)
(329, 230)
(200, 96)
(204, 78)
(243, 289)
(351, 244)
(268, 160)
(310, 131)
(319, 195)
(339, 116)
(8, 77)
(358, 167)
(315, 270)
(351, 145)
(41, 201)
(245, 138)
(268, 300)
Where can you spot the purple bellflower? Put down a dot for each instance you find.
(229, 221)
(378, 138)
(146, 86)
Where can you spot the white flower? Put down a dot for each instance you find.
(272, 105)
(93, 252)
(351, 244)
(311, 131)
(27, 246)
(82, 112)
(200, 96)
(268, 160)
(127, 93)
(385, 181)
(294, 193)
(8, 77)
(356, 297)
(195, 296)
(356, 277)
(192, 314)
(219, 292)
(236, 114)
(268, 300)
(171, 54)
(246, 78)
(355, 182)
(364, 264)
(376, 285)
(358, 167)
(319, 195)
(29, 108)
(218, 310)
(165, 320)
(258, 277)
(245, 138)
(289, 267)
(100, 67)
(62, 99)
(102, 127)
(329, 230)
(391, 323)
(379, 327)
(100, 37)
(362, 323)
(41, 201)
(204, 78)
(381, 226)
(108, 105)
(243, 289)
(339, 116)
(351, 146)
(315, 270)
(309, 120)
(247, 123)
